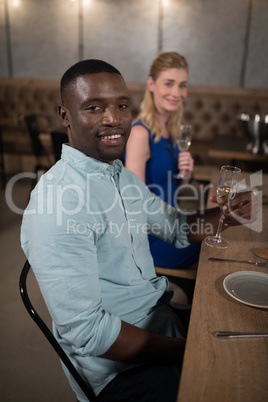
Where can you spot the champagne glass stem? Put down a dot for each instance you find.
(218, 234)
(179, 175)
(217, 240)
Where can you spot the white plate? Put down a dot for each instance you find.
(248, 287)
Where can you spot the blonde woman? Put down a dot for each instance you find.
(152, 152)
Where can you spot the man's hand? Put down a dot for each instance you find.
(243, 209)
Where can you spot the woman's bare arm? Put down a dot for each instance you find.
(138, 151)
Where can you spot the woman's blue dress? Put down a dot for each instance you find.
(160, 169)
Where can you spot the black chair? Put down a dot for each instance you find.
(58, 138)
(32, 123)
(86, 388)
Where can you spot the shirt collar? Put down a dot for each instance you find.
(89, 164)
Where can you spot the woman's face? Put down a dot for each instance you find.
(169, 89)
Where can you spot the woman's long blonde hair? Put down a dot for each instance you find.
(163, 61)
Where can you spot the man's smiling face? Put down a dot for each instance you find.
(97, 115)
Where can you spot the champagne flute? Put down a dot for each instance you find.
(226, 191)
(184, 142)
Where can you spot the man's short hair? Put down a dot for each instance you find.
(90, 66)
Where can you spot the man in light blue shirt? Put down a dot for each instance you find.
(85, 234)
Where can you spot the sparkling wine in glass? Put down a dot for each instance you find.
(184, 142)
(226, 191)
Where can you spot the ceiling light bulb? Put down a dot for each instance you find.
(15, 3)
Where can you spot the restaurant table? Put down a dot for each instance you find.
(225, 370)
(235, 148)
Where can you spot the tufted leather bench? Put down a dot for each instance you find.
(210, 110)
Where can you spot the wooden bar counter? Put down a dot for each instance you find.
(226, 370)
(235, 148)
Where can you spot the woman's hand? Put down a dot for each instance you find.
(186, 164)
